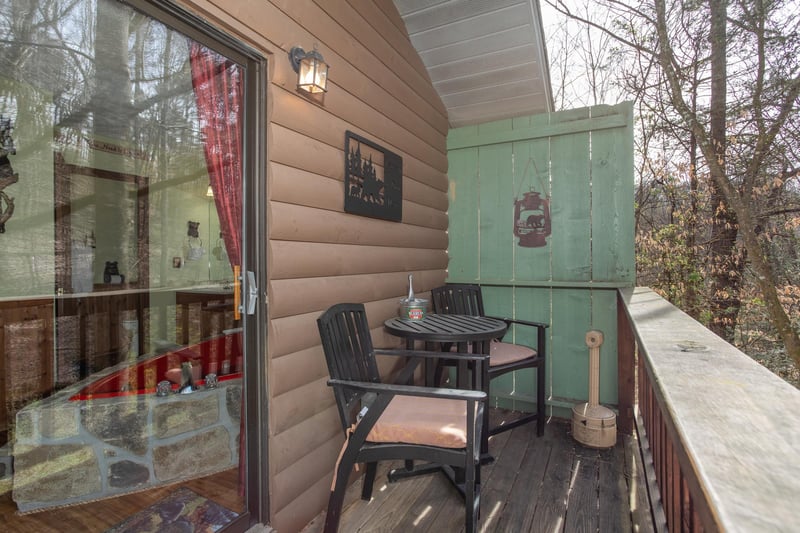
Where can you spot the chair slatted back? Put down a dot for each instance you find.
(458, 299)
(347, 344)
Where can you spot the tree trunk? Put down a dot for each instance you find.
(691, 298)
(739, 205)
(112, 104)
(726, 267)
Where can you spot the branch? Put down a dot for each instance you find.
(559, 6)
(765, 141)
(781, 211)
(46, 45)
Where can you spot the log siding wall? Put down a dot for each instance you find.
(317, 254)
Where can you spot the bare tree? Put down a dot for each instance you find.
(582, 60)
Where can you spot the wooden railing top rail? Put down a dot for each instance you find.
(736, 424)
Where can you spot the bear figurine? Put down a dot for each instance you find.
(111, 273)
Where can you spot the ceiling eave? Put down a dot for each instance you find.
(487, 60)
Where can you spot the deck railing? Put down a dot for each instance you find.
(721, 433)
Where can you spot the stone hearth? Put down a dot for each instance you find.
(67, 452)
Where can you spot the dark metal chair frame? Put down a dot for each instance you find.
(356, 383)
(467, 299)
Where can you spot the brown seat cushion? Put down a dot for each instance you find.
(418, 420)
(502, 353)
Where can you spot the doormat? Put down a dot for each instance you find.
(181, 511)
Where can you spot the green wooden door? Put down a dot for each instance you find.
(581, 162)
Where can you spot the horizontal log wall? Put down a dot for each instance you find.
(317, 254)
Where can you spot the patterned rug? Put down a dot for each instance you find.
(182, 511)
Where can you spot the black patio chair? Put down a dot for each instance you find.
(504, 357)
(397, 421)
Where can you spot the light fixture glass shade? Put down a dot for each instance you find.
(312, 76)
(210, 191)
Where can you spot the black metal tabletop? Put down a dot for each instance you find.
(447, 328)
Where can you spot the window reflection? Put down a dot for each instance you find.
(105, 293)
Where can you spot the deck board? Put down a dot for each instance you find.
(551, 500)
(615, 510)
(582, 511)
(422, 514)
(515, 513)
(537, 484)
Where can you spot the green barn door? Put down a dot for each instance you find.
(541, 215)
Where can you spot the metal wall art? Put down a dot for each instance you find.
(532, 220)
(373, 179)
(532, 224)
(7, 174)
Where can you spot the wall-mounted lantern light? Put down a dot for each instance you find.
(311, 68)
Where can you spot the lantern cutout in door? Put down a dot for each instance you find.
(532, 220)
(594, 425)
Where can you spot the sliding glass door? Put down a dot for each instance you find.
(122, 195)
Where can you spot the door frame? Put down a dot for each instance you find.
(254, 246)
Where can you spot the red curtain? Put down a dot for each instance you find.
(218, 90)
(217, 84)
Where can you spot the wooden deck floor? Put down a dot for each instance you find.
(544, 484)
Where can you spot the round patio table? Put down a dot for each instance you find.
(462, 330)
(469, 333)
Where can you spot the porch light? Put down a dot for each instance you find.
(311, 68)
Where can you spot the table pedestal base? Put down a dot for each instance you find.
(454, 475)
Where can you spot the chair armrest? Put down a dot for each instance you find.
(410, 390)
(415, 358)
(432, 355)
(510, 321)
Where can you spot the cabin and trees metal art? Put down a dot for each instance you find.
(373, 179)
(7, 174)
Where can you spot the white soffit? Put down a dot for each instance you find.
(486, 58)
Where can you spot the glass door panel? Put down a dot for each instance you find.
(121, 355)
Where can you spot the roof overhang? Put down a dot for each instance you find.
(486, 59)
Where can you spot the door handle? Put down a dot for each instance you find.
(237, 292)
(252, 293)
